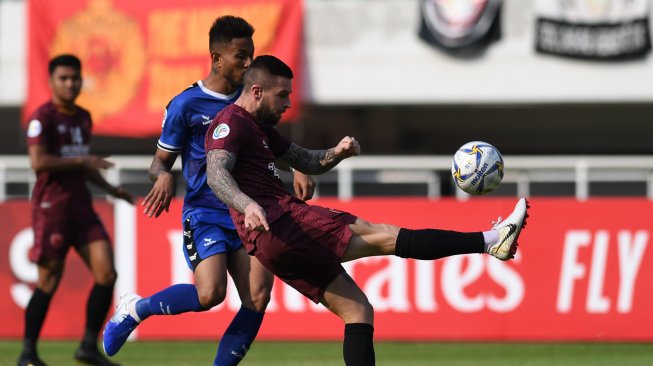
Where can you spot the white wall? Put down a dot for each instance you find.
(12, 52)
(368, 52)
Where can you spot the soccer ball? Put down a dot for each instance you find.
(477, 167)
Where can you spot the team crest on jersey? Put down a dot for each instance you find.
(34, 128)
(221, 131)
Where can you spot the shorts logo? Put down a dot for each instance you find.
(208, 242)
(34, 128)
(221, 131)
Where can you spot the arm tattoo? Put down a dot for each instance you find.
(312, 162)
(219, 164)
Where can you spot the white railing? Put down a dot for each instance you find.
(520, 170)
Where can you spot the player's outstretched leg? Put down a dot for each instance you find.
(509, 230)
(122, 324)
(429, 244)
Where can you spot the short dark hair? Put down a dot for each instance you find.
(228, 27)
(64, 60)
(263, 66)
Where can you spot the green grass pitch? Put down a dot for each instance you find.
(387, 354)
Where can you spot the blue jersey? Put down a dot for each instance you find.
(186, 119)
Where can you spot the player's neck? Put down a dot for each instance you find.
(218, 84)
(248, 105)
(67, 108)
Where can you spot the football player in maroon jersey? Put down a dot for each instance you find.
(58, 137)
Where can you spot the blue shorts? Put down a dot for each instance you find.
(204, 237)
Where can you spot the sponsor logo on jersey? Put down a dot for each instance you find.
(221, 131)
(34, 128)
(71, 151)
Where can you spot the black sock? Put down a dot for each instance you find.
(434, 244)
(97, 308)
(35, 313)
(358, 347)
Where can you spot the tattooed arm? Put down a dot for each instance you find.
(219, 164)
(315, 162)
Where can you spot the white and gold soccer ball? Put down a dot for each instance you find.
(477, 167)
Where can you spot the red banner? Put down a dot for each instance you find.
(583, 272)
(137, 55)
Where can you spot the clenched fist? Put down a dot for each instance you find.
(347, 147)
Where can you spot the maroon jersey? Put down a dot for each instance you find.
(255, 147)
(65, 136)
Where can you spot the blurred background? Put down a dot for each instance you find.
(564, 89)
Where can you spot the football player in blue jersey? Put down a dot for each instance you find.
(211, 243)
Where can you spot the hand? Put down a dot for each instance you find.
(159, 197)
(255, 218)
(94, 162)
(347, 147)
(304, 185)
(120, 192)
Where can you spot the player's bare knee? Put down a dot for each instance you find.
(211, 297)
(107, 278)
(49, 277)
(48, 284)
(360, 311)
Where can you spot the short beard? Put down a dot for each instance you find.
(266, 116)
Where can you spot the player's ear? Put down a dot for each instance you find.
(257, 92)
(216, 60)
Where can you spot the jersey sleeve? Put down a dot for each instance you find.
(173, 129)
(279, 144)
(226, 135)
(38, 128)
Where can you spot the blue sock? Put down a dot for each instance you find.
(175, 299)
(238, 337)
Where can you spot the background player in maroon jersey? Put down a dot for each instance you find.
(58, 137)
(305, 245)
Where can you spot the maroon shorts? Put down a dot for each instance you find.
(304, 247)
(56, 232)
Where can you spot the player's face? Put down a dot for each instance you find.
(275, 100)
(233, 59)
(65, 83)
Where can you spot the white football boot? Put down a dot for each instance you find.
(509, 230)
